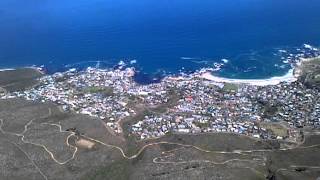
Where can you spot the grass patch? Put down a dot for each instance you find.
(107, 91)
(230, 87)
(277, 129)
(201, 125)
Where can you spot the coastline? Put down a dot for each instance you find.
(206, 73)
(7, 69)
(37, 69)
(291, 76)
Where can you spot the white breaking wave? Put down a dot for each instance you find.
(85, 62)
(282, 51)
(133, 61)
(8, 69)
(285, 61)
(121, 63)
(289, 77)
(200, 62)
(98, 64)
(307, 46)
(225, 60)
(188, 58)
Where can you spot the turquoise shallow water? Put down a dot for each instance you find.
(162, 36)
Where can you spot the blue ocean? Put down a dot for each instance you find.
(239, 38)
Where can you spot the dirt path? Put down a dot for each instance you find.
(155, 160)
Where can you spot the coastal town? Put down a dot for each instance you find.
(180, 104)
(160, 90)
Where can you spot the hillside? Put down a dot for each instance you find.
(310, 73)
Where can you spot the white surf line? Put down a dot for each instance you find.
(8, 69)
(33, 163)
(289, 77)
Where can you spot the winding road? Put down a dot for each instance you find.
(156, 160)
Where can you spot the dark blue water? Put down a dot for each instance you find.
(164, 36)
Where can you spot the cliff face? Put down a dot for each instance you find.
(310, 73)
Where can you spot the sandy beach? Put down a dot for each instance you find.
(291, 76)
(7, 69)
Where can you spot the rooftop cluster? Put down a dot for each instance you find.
(186, 104)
